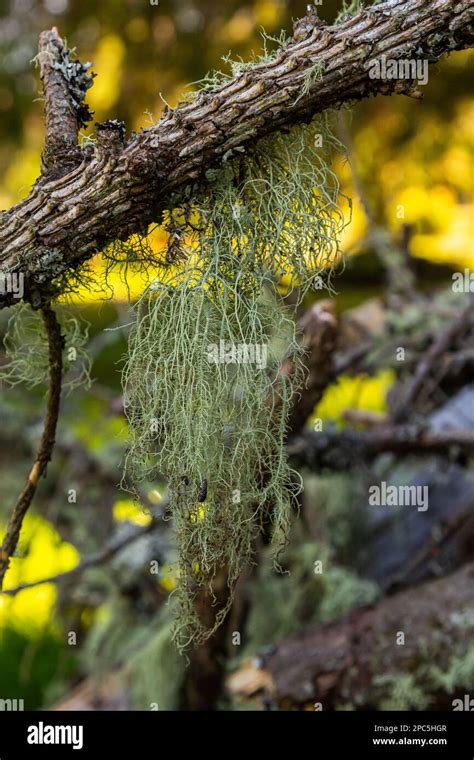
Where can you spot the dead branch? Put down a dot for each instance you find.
(65, 83)
(318, 328)
(337, 450)
(440, 344)
(342, 661)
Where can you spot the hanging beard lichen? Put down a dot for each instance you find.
(207, 400)
(26, 350)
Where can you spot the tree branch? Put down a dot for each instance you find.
(108, 552)
(65, 83)
(441, 343)
(45, 449)
(343, 661)
(111, 195)
(318, 335)
(338, 450)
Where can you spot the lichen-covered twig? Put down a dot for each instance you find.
(65, 83)
(225, 421)
(45, 449)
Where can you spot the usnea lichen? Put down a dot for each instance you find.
(26, 350)
(207, 400)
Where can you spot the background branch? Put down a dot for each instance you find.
(441, 343)
(337, 450)
(329, 663)
(108, 552)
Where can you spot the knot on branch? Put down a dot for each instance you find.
(110, 137)
(304, 27)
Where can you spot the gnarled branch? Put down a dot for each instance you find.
(112, 194)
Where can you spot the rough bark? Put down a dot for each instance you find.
(65, 83)
(341, 662)
(114, 192)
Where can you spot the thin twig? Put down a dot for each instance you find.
(440, 344)
(45, 449)
(111, 548)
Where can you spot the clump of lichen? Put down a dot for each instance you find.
(349, 9)
(207, 401)
(26, 350)
(76, 75)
